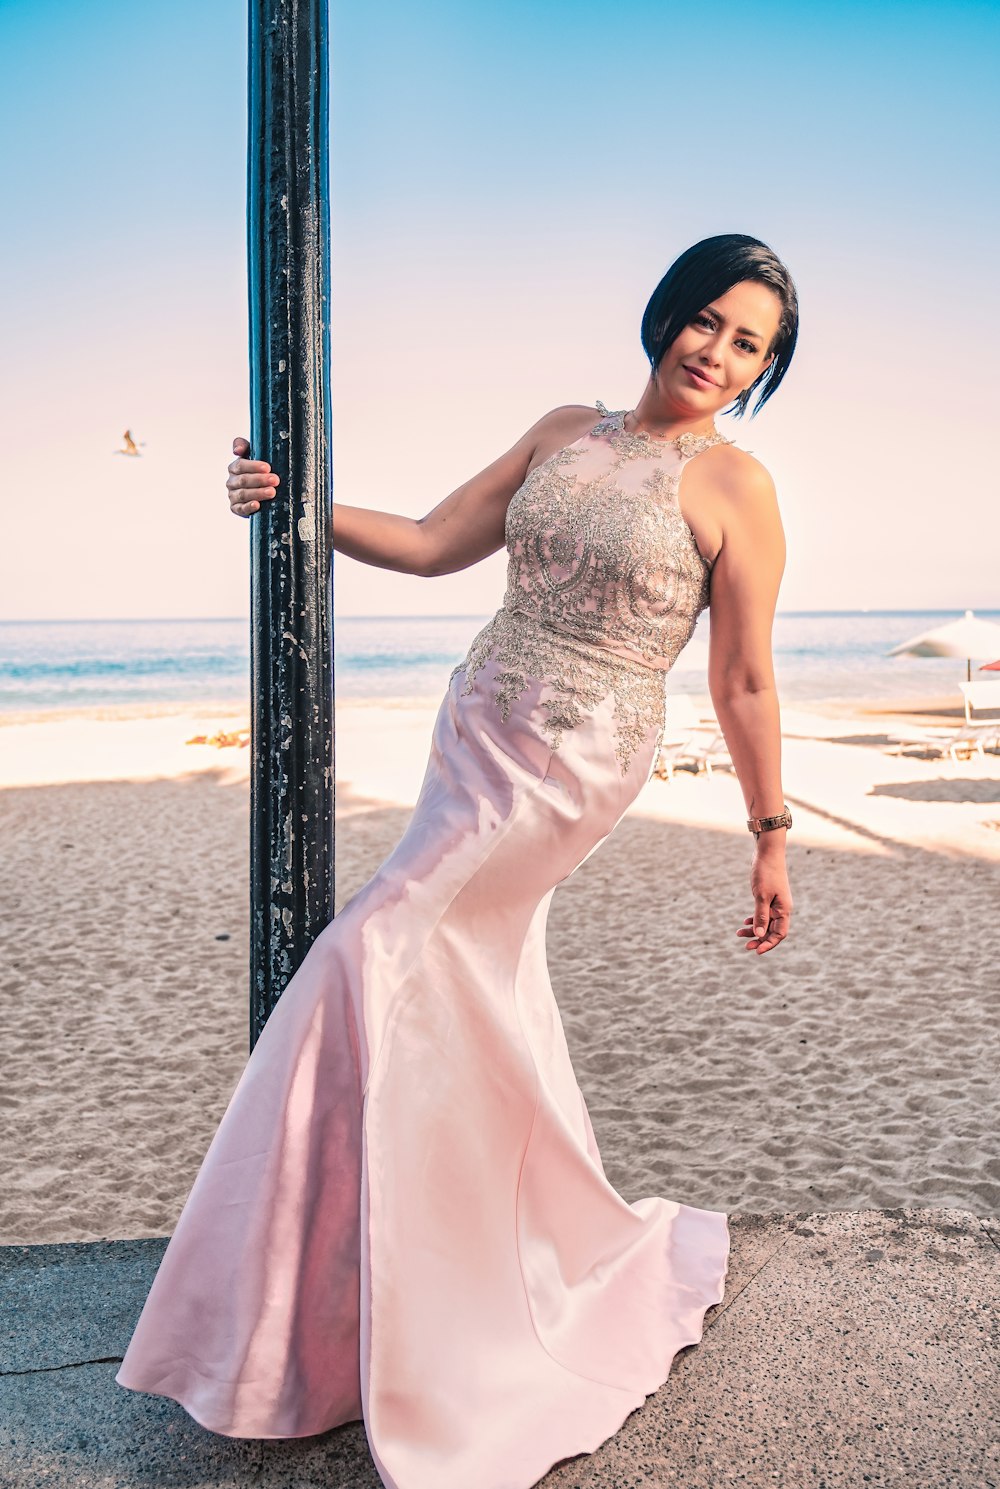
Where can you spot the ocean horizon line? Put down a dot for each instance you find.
(99, 620)
(73, 660)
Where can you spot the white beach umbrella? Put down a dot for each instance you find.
(966, 638)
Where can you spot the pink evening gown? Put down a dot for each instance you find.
(403, 1216)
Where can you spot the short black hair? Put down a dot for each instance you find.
(703, 272)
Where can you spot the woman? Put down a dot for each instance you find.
(403, 1216)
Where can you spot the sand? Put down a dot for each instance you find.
(854, 1067)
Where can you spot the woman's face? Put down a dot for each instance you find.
(722, 351)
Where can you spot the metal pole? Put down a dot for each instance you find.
(291, 589)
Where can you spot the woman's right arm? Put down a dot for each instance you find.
(465, 527)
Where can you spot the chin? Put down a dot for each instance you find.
(698, 400)
(707, 400)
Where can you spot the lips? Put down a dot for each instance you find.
(700, 377)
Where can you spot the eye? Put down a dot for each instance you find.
(703, 318)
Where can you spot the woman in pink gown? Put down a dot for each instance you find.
(403, 1216)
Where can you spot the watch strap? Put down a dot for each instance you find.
(757, 825)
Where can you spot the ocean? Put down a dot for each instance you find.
(63, 664)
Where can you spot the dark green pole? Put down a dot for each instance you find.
(291, 596)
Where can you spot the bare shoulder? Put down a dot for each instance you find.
(559, 427)
(568, 414)
(738, 476)
(737, 469)
(570, 420)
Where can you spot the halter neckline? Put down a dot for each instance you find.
(687, 442)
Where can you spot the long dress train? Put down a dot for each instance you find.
(403, 1215)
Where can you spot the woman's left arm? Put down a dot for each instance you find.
(745, 580)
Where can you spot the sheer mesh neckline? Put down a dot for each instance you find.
(688, 443)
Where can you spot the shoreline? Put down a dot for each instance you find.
(934, 706)
(836, 764)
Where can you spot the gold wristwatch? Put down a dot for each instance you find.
(757, 825)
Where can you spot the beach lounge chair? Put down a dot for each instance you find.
(689, 743)
(674, 755)
(935, 744)
(679, 728)
(983, 695)
(710, 752)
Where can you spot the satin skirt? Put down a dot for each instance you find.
(403, 1215)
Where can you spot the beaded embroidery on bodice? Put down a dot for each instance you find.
(605, 581)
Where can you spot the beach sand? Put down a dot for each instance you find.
(856, 1066)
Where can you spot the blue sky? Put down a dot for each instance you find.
(509, 182)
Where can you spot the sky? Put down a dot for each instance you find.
(508, 184)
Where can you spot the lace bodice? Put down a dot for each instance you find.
(605, 581)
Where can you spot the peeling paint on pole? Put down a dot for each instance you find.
(291, 643)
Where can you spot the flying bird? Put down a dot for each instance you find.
(129, 447)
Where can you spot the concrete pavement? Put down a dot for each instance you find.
(850, 1349)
